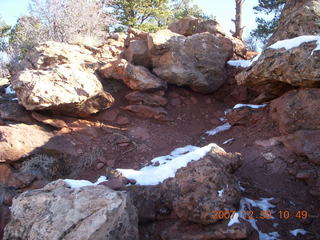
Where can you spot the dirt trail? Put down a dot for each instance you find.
(264, 173)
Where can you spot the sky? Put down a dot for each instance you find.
(224, 10)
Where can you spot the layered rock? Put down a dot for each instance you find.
(60, 212)
(64, 89)
(197, 61)
(135, 77)
(299, 17)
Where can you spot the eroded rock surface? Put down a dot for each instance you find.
(197, 189)
(197, 61)
(64, 89)
(60, 212)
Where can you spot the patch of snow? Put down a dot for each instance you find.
(243, 63)
(240, 105)
(296, 42)
(180, 157)
(9, 90)
(227, 111)
(275, 225)
(230, 140)
(264, 205)
(83, 183)
(298, 231)
(242, 189)
(222, 119)
(220, 192)
(234, 219)
(219, 129)
(14, 99)
(240, 63)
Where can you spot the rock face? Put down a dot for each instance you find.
(60, 77)
(304, 143)
(297, 115)
(59, 212)
(299, 17)
(137, 53)
(51, 53)
(197, 189)
(64, 89)
(135, 77)
(297, 110)
(190, 25)
(15, 141)
(197, 61)
(296, 66)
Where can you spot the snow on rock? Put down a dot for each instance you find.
(240, 105)
(83, 183)
(234, 219)
(243, 63)
(219, 129)
(296, 42)
(9, 90)
(296, 232)
(240, 63)
(220, 192)
(180, 157)
(228, 141)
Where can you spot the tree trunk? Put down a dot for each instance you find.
(238, 21)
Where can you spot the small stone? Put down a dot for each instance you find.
(100, 165)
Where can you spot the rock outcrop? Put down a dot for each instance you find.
(299, 17)
(64, 89)
(60, 212)
(196, 190)
(295, 67)
(135, 77)
(297, 115)
(292, 53)
(197, 61)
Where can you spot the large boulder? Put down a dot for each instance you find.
(197, 61)
(135, 77)
(19, 140)
(299, 17)
(64, 89)
(297, 66)
(297, 110)
(190, 25)
(292, 53)
(52, 53)
(196, 190)
(59, 212)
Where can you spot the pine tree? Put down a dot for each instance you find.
(4, 34)
(266, 27)
(147, 15)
